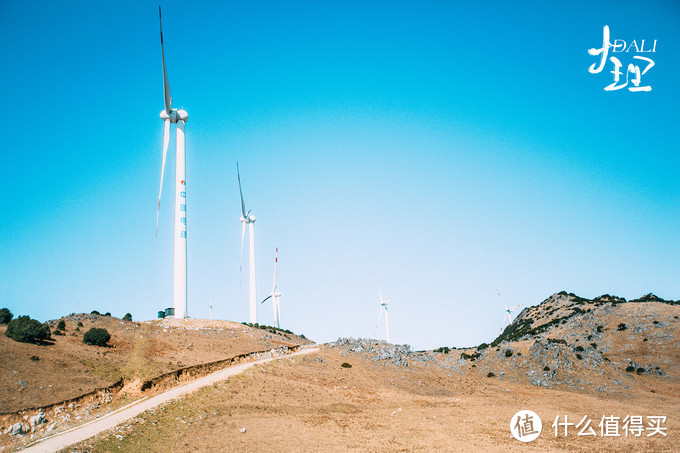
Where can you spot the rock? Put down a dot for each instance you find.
(36, 420)
(15, 429)
(243, 430)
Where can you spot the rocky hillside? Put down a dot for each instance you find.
(606, 344)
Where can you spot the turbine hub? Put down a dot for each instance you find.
(172, 116)
(182, 114)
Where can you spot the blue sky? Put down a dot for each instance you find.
(443, 149)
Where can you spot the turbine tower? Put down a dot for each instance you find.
(383, 306)
(508, 311)
(178, 117)
(275, 295)
(248, 219)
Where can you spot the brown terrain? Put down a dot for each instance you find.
(567, 356)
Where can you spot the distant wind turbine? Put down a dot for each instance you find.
(246, 218)
(275, 295)
(179, 117)
(383, 307)
(211, 307)
(508, 311)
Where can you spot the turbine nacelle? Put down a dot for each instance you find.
(174, 115)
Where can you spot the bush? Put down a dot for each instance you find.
(95, 312)
(630, 369)
(127, 317)
(443, 349)
(578, 349)
(579, 356)
(490, 374)
(640, 370)
(96, 337)
(35, 358)
(346, 365)
(58, 332)
(61, 325)
(621, 326)
(5, 316)
(80, 324)
(508, 353)
(108, 313)
(27, 330)
(547, 368)
(482, 347)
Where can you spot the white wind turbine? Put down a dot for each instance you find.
(508, 311)
(211, 307)
(383, 306)
(275, 295)
(246, 218)
(179, 117)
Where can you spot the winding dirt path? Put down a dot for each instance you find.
(111, 420)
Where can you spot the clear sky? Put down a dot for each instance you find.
(442, 149)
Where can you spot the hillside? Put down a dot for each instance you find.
(392, 399)
(605, 345)
(567, 356)
(39, 375)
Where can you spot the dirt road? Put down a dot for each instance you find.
(75, 435)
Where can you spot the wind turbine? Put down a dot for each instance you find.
(211, 307)
(275, 295)
(179, 117)
(248, 219)
(383, 306)
(508, 311)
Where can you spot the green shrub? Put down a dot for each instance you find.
(490, 374)
(127, 317)
(58, 332)
(482, 347)
(578, 356)
(630, 369)
(443, 349)
(621, 326)
(5, 316)
(108, 313)
(96, 337)
(346, 365)
(61, 325)
(80, 324)
(578, 349)
(594, 345)
(640, 370)
(95, 312)
(27, 330)
(508, 353)
(547, 368)
(599, 329)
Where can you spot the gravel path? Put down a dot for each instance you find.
(111, 420)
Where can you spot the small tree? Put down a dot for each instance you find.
(27, 330)
(96, 337)
(5, 316)
(127, 317)
(61, 325)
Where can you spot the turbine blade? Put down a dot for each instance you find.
(266, 299)
(243, 204)
(166, 84)
(378, 321)
(379, 293)
(276, 262)
(499, 296)
(166, 140)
